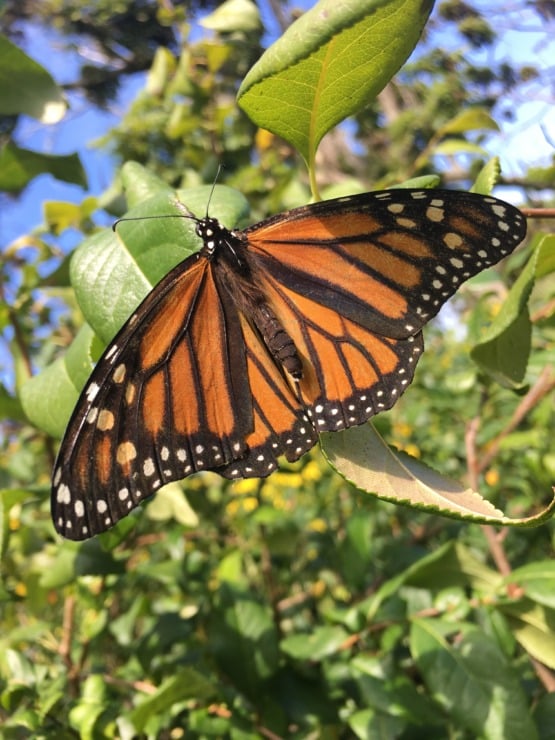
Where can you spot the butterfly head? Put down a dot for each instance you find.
(212, 234)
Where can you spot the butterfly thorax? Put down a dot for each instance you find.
(236, 272)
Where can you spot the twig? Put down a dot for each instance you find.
(64, 649)
(543, 385)
(544, 674)
(496, 549)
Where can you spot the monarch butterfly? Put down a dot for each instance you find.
(308, 321)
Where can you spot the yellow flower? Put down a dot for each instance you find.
(249, 503)
(312, 471)
(401, 429)
(318, 588)
(287, 480)
(264, 139)
(411, 449)
(246, 504)
(273, 495)
(244, 486)
(21, 589)
(492, 477)
(232, 507)
(317, 525)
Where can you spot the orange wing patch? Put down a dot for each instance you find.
(281, 424)
(349, 372)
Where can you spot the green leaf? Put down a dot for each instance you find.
(391, 695)
(533, 626)
(470, 119)
(170, 502)
(230, 569)
(488, 177)
(160, 74)
(234, 15)
(544, 716)
(9, 497)
(328, 65)
(139, 184)
(61, 215)
(505, 357)
(371, 723)
(544, 247)
(451, 147)
(61, 568)
(537, 580)
(361, 456)
(19, 166)
(244, 639)
(319, 644)
(473, 682)
(26, 87)
(10, 406)
(422, 181)
(49, 397)
(20, 668)
(91, 705)
(504, 346)
(452, 565)
(357, 549)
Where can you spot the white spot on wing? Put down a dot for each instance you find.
(92, 391)
(63, 495)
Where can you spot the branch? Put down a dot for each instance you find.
(542, 387)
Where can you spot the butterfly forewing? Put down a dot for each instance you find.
(169, 397)
(391, 258)
(309, 321)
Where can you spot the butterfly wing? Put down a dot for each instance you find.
(190, 383)
(186, 385)
(157, 406)
(281, 425)
(354, 280)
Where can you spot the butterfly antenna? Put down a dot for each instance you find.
(185, 213)
(220, 168)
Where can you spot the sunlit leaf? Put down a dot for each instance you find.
(19, 166)
(26, 87)
(361, 456)
(329, 64)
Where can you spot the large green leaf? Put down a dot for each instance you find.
(362, 457)
(504, 346)
(26, 87)
(329, 64)
(48, 398)
(473, 681)
(19, 166)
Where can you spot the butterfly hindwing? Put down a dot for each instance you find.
(350, 373)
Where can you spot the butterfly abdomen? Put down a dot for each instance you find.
(236, 270)
(278, 340)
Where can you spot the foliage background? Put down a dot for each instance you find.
(295, 606)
